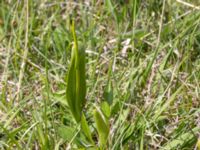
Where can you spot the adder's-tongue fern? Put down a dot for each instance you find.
(76, 83)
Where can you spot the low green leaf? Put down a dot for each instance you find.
(108, 93)
(86, 130)
(115, 108)
(65, 132)
(105, 109)
(102, 127)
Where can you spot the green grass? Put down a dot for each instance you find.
(96, 74)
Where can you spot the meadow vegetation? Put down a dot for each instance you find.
(99, 74)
